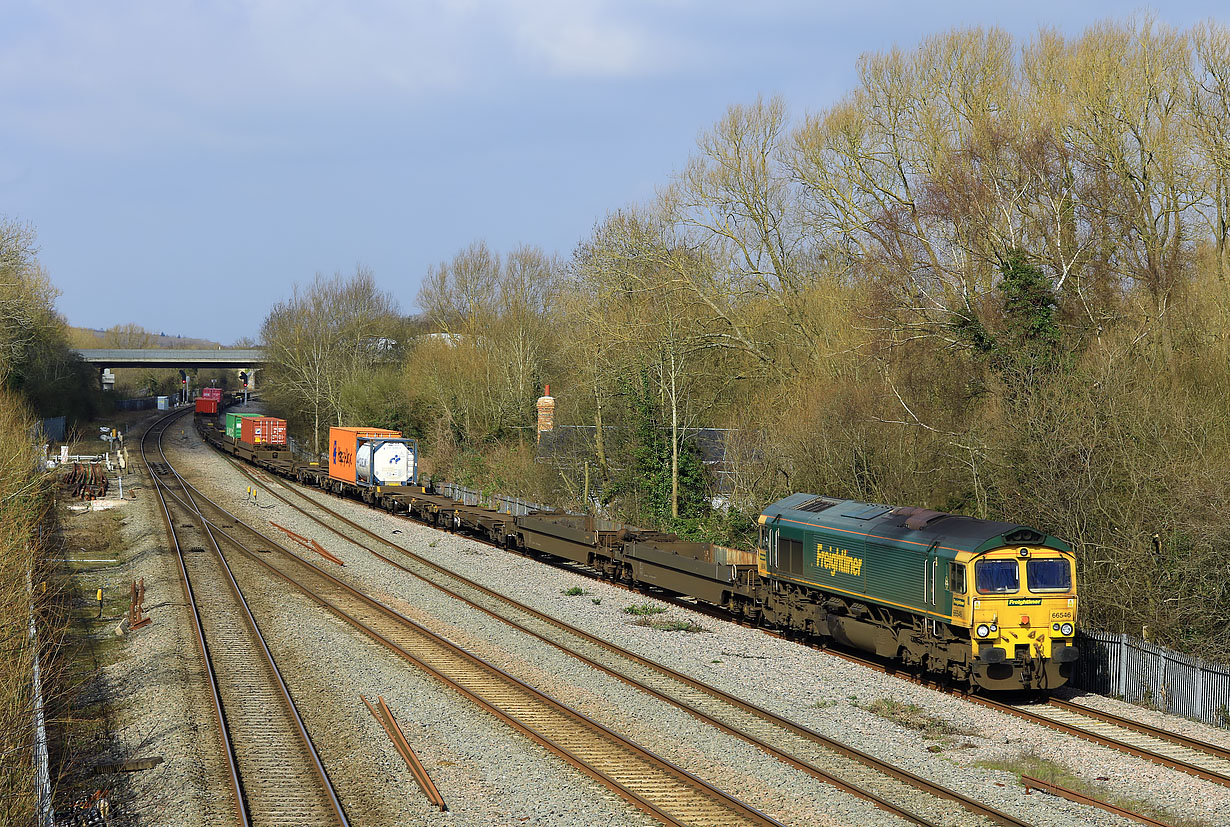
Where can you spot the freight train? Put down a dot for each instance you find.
(981, 604)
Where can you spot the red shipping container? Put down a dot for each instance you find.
(206, 406)
(262, 430)
(211, 393)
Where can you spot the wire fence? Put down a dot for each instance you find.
(1145, 673)
(505, 505)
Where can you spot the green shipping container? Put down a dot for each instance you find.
(233, 421)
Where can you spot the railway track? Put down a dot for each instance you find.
(1154, 744)
(895, 790)
(1207, 761)
(650, 782)
(275, 774)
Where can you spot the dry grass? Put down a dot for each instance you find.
(644, 610)
(23, 505)
(671, 625)
(912, 716)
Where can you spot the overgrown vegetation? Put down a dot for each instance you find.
(644, 609)
(24, 502)
(991, 280)
(36, 360)
(671, 625)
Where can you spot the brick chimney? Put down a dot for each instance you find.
(546, 412)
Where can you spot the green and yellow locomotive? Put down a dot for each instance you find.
(985, 603)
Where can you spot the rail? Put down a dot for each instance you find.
(1032, 783)
(237, 631)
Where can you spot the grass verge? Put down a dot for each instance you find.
(912, 716)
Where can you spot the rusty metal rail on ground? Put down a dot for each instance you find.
(385, 716)
(87, 481)
(136, 606)
(678, 698)
(1080, 798)
(311, 545)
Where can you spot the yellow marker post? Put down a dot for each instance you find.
(99, 598)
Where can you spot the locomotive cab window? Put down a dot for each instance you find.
(1048, 575)
(997, 576)
(956, 578)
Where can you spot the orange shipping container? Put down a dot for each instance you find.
(262, 430)
(206, 406)
(343, 449)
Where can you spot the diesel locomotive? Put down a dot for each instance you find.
(985, 605)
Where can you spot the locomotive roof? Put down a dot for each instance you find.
(909, 525)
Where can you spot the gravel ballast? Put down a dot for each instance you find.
(805, 684)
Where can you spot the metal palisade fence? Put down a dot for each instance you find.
(1143, 672)
(505, 505)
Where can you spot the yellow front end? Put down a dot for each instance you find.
(1022, 616)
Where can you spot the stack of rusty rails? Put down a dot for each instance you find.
(891, 788)
(1032, 783)
(385, 716)
(137, 617)
(274, 772)
(87, 481)
(646, 780)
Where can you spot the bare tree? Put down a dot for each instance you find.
(128, 336)
(323, 337)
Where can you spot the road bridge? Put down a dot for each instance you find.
(248, 360)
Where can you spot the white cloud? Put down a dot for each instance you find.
(587, 37)
(109, 72)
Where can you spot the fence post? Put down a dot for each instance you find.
(1121, 689)
(1200, 691)
(42, 769)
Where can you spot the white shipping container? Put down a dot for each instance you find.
(393, 464)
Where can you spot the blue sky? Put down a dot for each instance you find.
(184, 163)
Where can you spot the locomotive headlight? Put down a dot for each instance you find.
(1066, 630)
(983, 630)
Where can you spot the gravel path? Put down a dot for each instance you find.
(815, 689)
(155, 684)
